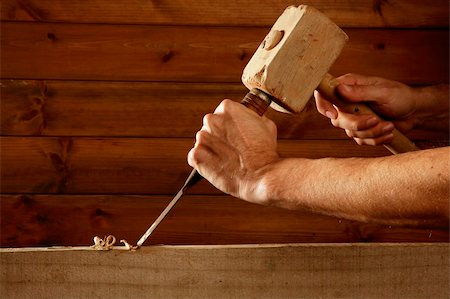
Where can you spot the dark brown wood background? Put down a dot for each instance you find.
(100, 101)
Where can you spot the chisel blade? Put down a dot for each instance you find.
(193, 178)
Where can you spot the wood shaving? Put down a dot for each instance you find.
(107, 243)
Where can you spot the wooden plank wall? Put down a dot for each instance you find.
(100, 101)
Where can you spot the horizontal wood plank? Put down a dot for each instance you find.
(125, 165)
(73, 220)
(200, 54)
(363, 13)
(237, 271)
(139, 109)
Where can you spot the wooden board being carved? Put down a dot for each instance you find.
(246, 271)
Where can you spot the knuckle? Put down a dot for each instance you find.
(198, 154)
(227, 105)
(371, 141)
(335, 123)
(365, 134)
(359, 141)
(382, 140)
(350, 133)
(346, 78)
(367, 141)
(200, 136)
(207, 119)
(193, 157)
(190, 160)
(355, 125)
(318, 98)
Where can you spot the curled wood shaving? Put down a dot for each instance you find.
(127, 245)
(107, 243)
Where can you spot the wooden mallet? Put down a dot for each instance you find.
(293, 61)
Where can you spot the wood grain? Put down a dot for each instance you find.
(365, 13)
(73, 220)
(245, 271)
(140, 109)
(125, 165)
(199, 54)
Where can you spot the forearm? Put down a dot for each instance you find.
(407, 189)
(432, 107)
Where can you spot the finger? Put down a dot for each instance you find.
(208, 141)
(213, 144)
(357, 88)
(324, 107)
(354, 122)
(211, 123)
(198, 155)
(378, 130)
(404, 125)
(361, 93)
(226, 106)
(357, 79)
(232, 109)
(203, 150)
(209, 154)
(207, 123)
(385, 139)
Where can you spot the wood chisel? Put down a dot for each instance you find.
(255, 100)
(193, 178)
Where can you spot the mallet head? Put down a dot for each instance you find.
(294, 57)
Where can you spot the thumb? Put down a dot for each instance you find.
(360, 93)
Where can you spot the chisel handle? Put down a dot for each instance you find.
(257, 101)
(399, 144)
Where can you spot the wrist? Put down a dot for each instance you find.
(259, 186)
(279, 183)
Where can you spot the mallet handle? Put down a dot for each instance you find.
(400, 143)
